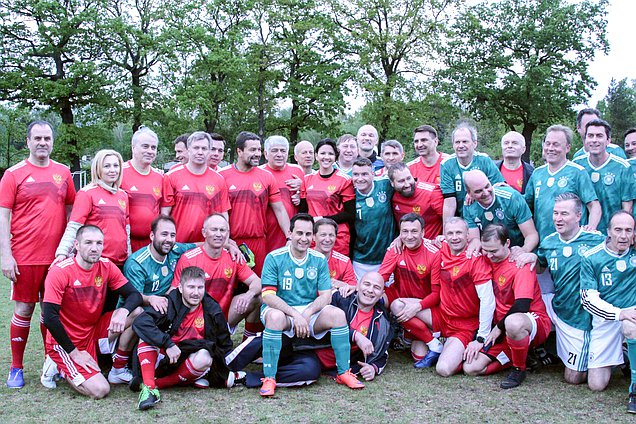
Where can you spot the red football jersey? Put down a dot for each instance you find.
(193, 198)
(427, 201)
(251, 193)
(326, 197)
(81, 295)
(275, 237)
(37, 197)
(221, 274)
(426, 174)
(144, 198)
(510, 283)
(97, 206)
(341, 268)
(192, 327)
(459, 276)
(414, 271)
(514, 177)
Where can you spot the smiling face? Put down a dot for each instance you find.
(596, 140)
(630, 145)
(456, 234)
(348, 151)
(216, 232)
(277, 156)
(181, 153)
(325, 238)
(555, 147)
(301, 237)
(425, 143)
(403, 182)
(411, 233)
(391, 155)
(362, 177)
(144, 150)
(370, 289)
(479, 187)
(192, 291)
(40, 143)
(367, 139)
(110, 170)
(463, 144)
(326, 157)
(164, 237)
(494, 250)
(251, 153)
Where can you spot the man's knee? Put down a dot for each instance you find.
(473, 369)
(629, 329)
(275, 319)
(397, 306)
(517, 325)
(598, 379)
(24, 309)
(98, 390)
(447, 368)
(335, 317)
(201, 359)
(135, 313)
(574, 377)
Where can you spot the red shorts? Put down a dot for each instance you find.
(462, 329)
(500, 351)
(136, 244)
(98, 340)
(29, 287)
(258, 246)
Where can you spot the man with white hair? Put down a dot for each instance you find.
(304, 156)
(142, 182)
(367, 142)
(515, 171)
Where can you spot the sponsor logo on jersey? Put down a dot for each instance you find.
(501, 281)
(257, 186)
(287, 274)
(567, 251)
(331, 188)
(312, 272)
(185, 187)
(122, 204)
(133, 188)
(605, 269)
(17, 339)
(165, 270)
(99, 281)
(299, 273)
(421, 269)
(155, 277)
(227, 272)
(145, 362)
(77, 283)
(30, 179)
(199, 322)
(621, 265)
(402, 262)
(209, 189)
(207, 276)
(101, 202)
(156, 191)
(57, 178)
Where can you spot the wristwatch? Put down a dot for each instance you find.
(480, 339)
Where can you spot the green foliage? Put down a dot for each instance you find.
(619, 108)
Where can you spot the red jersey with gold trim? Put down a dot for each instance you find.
(510, 283)
(97, 206)
(144, 197)
(326, 197)
(426, 174)
(275, 237)
(341, 268)
(427, 201)
(37, 197)
(415, 271)
(221, 274)
(459, 276)
(81, 295)
(193, 197)
(514, 177)
(192, 327)
(251, 193)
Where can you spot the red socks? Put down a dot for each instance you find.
(494, 367)
(519, 351)
(147, 360)
(418, 329)
(185, 373)
(120, 358)
(19, 333)
(251, 328)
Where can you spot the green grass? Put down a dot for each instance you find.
(401, 394)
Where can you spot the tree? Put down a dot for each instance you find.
(619, 108)
(47, 58)
(524, 62)
(395, 43)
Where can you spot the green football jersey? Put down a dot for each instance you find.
(452, 175)
(613, 183)
(563, 260)
(613, 275)
(508, 208)
(632, 164)
(612, 148)
(297, 282)
(150, 277)
(544, 186)
(375, 226)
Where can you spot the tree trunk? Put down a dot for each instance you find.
(137, 93)
(528, 130)
(261, 94)
(293, 123)
(66, 113)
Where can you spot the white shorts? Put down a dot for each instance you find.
(606, 346)
(291, 332)
(573, 345)
(360, 269)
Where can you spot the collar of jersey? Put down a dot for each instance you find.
(297, 261)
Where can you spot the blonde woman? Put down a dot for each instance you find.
(103, 204)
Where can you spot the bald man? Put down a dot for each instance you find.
(367, 138)
(502, 205)
(304, 156)
(515, 171)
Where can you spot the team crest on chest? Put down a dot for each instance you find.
(122, 204)
(227, 272)
(312, 272)
(199, 322)
(455, 271)
(99, 281)
(519, 183)
(499, 213)
(595, 176)
(488, 215)
(608, 179)
(421, 269)
(382, 197)
(299, 273)
(582, 249)
(210, 189)
(370, 202)
(164, 271)
(621, 265)
(156, 191)
(563, 181)
(57, 178)
(331, 188)
(332, 274)
(257, 186)
(502, 280)
(416, 209)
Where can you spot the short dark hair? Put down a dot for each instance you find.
(325, 221)
(85, 228)
(300, 217)
(586, 111)
(192, 273)
(363, 162)
(629, 131)
(425, 128)
(600, 123)
(327, 142)
(495, 231)
(183, 138)
(412, 217)
(37, 122)
(217, 137)
(155, 222)
(242, 138)
(392, 169)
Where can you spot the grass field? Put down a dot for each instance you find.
(401, 394)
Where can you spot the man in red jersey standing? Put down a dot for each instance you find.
(37, 193)
(426, 167)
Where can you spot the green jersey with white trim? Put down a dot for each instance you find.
(613, 183)
(152, 278)
(374, 222)
(611, 274)
(563, 260)
(508, 208)
(632, 164)
(544, 186)
(452, 175)
(295, 281)
(612, 148)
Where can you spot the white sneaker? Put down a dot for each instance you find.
(119, 376)
(234, 378)
(49, 373)
(201, 383)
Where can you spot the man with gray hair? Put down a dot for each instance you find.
(515, 171)
(392, 153)
(465, 158)
(367, 138)
(290, 181)
(142, 182)
(304, 155)
(193, 191)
